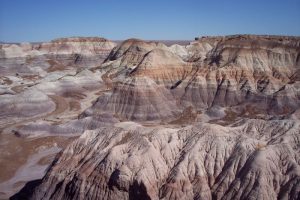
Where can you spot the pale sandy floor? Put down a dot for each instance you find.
(25, 159)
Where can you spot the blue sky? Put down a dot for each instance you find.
(42, 20)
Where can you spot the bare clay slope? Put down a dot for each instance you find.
(256, 160)
(218, 71)
(43, 89)
(238, 97)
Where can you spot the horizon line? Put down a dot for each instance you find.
(191, 39)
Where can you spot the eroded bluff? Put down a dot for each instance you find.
(226, 71)
(254, 160)
(216, 119)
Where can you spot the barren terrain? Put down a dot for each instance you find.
(89, 118)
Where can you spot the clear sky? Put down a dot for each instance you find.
(42, 20)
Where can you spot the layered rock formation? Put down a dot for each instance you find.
(57, 55)
(43, 89)
(24, 105)
(220, 71)
(139, 98)
(215, 119)
(76, 45)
